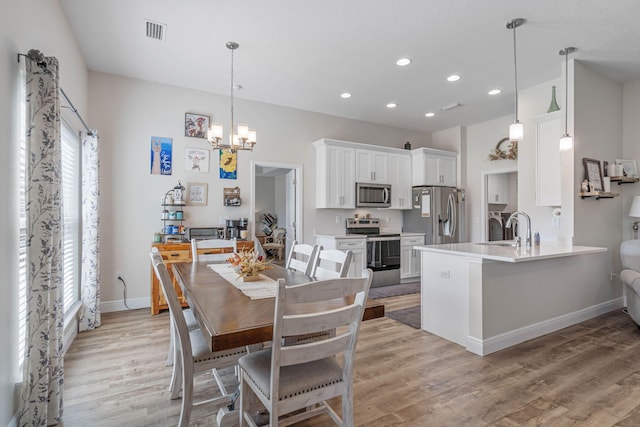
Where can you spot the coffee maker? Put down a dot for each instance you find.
(236, 228)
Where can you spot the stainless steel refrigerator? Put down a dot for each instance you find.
(438, 212)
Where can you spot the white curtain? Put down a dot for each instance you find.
(90, 291)
(41, 395)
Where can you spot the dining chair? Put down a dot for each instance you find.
(192, 323)
(303, 376)
(193, 355)
(212, 250)
(276, 242)
(331, 263)
(302, 257)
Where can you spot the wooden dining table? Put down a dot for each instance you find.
(228, 318)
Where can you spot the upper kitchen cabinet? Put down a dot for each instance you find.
(335, 174)
(548, 171)
(400, 180)
(372, 166)
(434, 167)
(498, 188)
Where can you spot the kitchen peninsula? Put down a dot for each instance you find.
(490, 296)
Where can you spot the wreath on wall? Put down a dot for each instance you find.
(509, 153)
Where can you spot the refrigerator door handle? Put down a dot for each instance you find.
(453, 214)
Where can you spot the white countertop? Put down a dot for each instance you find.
(361, 236)
(498, 252)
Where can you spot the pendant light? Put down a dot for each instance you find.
(516, 130)
(566, 142)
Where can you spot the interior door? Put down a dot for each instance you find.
(290, 213)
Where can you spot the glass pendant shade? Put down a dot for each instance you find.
(516, 131)
(566, 142)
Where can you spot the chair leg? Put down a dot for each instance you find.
(172, 341)
(347, 408)
(176, 377)
(242, 400)
(187, 396)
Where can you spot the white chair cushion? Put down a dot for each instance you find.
(295, 379)
(190, 318)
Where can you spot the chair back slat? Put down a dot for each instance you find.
(212, 250)
(332, 288)
(315, 350)
(310, 323)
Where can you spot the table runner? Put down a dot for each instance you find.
(266, 287)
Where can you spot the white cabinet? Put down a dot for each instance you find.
(400, 180)
(498, 188)
(548, 166)
(434, 167)
(409, 257)
(358, 246)
(335, 175)
(372, 166)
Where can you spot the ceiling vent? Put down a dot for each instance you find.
(156, 30)
(451, 106)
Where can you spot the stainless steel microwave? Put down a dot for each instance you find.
(373, 195)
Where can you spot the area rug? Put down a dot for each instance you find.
(409, 316)
(394, 290)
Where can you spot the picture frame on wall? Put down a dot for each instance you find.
(593, 173)
(196, 160)
(197, 193)
(196, 125)
(629, 167)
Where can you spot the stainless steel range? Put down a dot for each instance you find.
(383, 250)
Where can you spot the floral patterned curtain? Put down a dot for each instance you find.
(41, 395)
(90, 291)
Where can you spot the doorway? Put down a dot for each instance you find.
(276, 201)
(499, 200)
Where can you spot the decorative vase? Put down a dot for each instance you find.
(251, 278)
(554, 105)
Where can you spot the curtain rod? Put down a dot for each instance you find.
(38, 57)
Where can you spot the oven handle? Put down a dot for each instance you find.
(382, 239)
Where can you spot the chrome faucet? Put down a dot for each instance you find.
(508, 225)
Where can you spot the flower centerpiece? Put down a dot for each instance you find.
(248, 265)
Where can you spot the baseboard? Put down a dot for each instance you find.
(118, 305)
(526, 333)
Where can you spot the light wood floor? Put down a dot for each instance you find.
(584, 375)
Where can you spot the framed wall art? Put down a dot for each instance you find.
(197, 193)
(161, 154)
(231, 197)
(593, 173)
(196, 125)
(629, 167)
(228, 165)
(196, 160)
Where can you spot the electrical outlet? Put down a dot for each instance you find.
(119, 275)
(445, 274)
(338, 219)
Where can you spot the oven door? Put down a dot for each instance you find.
(383, 253)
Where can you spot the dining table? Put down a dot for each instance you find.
(228, 318)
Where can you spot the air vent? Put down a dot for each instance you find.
(451, 106)
(156, 30)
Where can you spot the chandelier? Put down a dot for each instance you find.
(244, 138)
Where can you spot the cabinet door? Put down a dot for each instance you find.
(410, 258)
(447, 171)
(335, 177)
(498, 188)
(432, 169)
(548, 173)
(406, 264)
(400, 180)
(372, 166)
(359, 249)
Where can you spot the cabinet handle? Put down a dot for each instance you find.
(496, 197)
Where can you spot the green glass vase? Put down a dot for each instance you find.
(554, 104)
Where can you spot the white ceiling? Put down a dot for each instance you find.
(303, 54)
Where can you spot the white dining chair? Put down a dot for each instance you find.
(276, 242)
(193, 355)
(212, 250)
(303, 376)
(302, 257)
(331, 263)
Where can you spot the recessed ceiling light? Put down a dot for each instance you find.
(345, 95)
(430, 114)
(402, 62)
(495, 92)
(392, 105)
(453, 78)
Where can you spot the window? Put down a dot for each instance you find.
(71, 229)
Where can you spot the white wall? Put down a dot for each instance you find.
(630, 150)
(128, 112)
(265, 200)
(24, 25)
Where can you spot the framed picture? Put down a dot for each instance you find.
(196, 125)
(629, 167)
(231, 196)
(593, 173)
(197, 193)
(161, 155)
(196, 160)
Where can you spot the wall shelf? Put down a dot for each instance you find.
(598, 195)
(623, 180)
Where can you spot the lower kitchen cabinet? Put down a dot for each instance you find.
(172, 253)
(409, 257)
(358, 246)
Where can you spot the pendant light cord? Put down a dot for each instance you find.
(515, 70)
(232, 122)
(566, 91)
